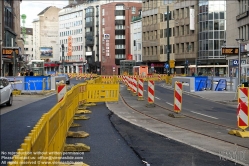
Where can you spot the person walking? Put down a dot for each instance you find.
(31, 73)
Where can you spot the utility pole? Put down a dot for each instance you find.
(62, 48)
(168, 58)
(239, 58)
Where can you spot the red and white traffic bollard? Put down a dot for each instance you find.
(151, 93)
(134, 86)
(140, 89)
(242, 111)
(178, 97)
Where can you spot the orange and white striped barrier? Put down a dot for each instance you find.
(140, 89)
(134, 85)
(151, 91)
(61, 91)
(242, 111)
(178, 97)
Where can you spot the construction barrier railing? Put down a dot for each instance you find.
(45, 143)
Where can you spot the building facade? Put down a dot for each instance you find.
(212, 34)
(28, 45)
(45, 37)
(10, 36)
(115, 34)
(157, 47)
(136, 39)
(237, 28)
(186, 28)
(71, 36)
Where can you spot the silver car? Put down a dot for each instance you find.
(6, 92)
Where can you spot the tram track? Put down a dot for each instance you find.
(184, 128)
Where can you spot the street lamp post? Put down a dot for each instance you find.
(1, 59)
(63, 65)
(239, 59)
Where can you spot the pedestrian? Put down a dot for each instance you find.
(31, 73)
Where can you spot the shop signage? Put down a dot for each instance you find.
(229, 51)
(242, 15)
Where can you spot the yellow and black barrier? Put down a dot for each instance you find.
(46, 142)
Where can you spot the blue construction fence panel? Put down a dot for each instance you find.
(222, 85)
(200, 82)
(202, 85)
(36, 82)
(209, 84)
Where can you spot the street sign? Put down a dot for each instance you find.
(172, 64)
(229, 51)
(166, 66)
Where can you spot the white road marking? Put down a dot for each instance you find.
(157, 98)
(204, 115)
(169, 104)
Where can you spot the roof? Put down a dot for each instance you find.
(42, 12)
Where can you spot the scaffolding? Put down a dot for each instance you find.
(126, 67)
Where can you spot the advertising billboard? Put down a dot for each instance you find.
(191, 19)
(46, 52)
(69, 46)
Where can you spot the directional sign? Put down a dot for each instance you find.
(229, 51)
(166, 66)
(172, 63)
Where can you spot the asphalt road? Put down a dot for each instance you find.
(196, 106)
(157, 150)
(108, 147)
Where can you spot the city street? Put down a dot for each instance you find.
(113, 141)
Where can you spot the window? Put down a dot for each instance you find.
(119, 7)
(103, 21)
(103, 12)
(133, 10)
(139, 46)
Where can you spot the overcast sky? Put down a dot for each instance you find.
(32, 8)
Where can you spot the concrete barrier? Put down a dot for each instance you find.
(188, 83)
(56, 79)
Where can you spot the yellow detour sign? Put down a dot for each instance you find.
(172, 63)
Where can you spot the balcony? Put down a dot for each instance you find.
(89, 14)
(89, 34)
(89, 24)
(89, 42)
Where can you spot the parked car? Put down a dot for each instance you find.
(6, 92)
(67, 78)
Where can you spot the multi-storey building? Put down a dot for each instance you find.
(156, 48)
(212, 23)
(136, 39)
(28, 45)
(45, 37)
(10, 35)
(71, 36)
(115, 40)
(185, 16)
(237, 28)
(91, 36)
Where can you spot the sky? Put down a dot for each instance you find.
(32, 8)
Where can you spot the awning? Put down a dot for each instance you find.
(51, 65)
